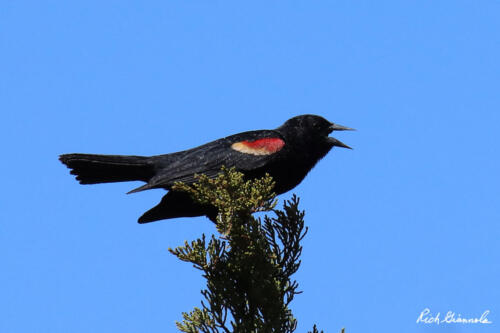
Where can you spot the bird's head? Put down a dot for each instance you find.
(312, 128)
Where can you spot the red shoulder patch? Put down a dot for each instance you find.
(265, 146)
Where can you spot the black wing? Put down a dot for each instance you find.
(244, 151)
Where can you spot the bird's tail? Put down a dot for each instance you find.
(94, 169)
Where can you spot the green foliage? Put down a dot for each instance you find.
(315, 330)
(234, 198)
(249, 267)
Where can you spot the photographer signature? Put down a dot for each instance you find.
(426, 317)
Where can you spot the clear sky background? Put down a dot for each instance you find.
(407, 220)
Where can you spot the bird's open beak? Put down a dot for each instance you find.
(335, 142)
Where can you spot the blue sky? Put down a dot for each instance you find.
(408, 220)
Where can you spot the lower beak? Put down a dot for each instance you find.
(338, 143)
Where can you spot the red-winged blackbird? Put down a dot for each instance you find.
(287, 153)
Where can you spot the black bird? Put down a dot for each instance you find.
(287, 153)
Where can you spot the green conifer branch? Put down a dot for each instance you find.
(249, 267)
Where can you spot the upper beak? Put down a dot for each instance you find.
(337, 127)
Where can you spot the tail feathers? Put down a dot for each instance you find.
(94, 169)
